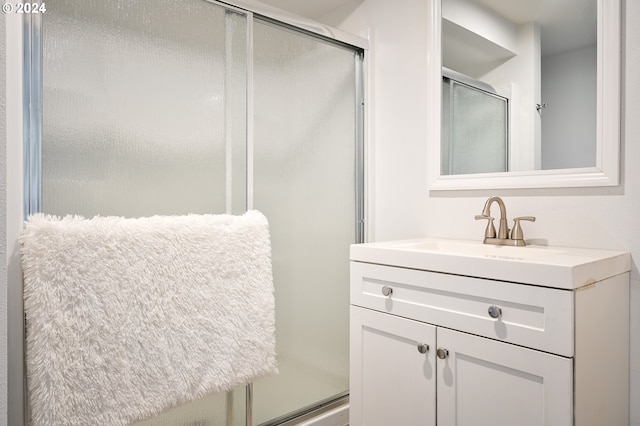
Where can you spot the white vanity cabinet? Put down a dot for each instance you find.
(433, 348)
(394, 382)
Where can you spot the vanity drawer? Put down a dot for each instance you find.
(531, 316)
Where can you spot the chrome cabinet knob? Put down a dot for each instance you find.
(423, 348)
(387, 291)
(494, 311)
(442, 353)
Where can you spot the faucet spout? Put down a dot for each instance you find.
(503, 229)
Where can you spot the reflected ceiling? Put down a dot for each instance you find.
(567, 24)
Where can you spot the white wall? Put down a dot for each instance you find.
(569, 121)
(404, 207)
(520, 78)
(482, 21)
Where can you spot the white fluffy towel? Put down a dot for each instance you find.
(129, 317)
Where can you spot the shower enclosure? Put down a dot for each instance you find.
(475, 128)
(176, 107)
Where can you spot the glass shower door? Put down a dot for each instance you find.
(305, 182)
(144, 113)
(475, 130)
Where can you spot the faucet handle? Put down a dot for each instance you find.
(516, 234)
(490, 231)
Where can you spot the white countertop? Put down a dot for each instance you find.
(558, 267)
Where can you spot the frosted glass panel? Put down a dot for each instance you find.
(144, 113)
(208, 411)
(475, 132)
(134, 101)
(304, 182)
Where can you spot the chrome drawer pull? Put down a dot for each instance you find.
(495, 312)
(442, 353)
(387, 291)
(423, 348)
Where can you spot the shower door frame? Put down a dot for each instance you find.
(32, 145)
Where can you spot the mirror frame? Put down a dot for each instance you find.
(606, 172)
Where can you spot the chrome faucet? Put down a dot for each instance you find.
(502, 238)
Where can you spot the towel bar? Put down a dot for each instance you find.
(248, 406)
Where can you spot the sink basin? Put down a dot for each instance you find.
(472, 248)
(558, 267)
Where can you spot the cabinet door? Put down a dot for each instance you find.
(486, 382)
(392, 381)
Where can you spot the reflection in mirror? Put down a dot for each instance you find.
(519, 85)
(474, 126)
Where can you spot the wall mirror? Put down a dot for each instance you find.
(526, 94)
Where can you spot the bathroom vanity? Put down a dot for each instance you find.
(447, 332)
